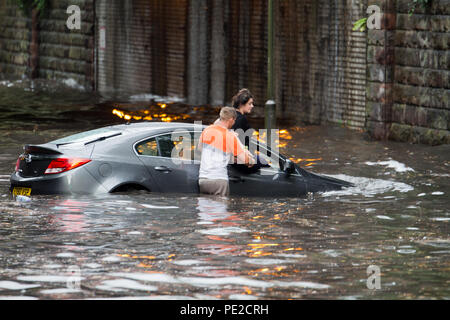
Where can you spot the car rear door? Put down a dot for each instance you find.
(170, 163)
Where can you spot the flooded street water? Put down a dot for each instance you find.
(154, 246)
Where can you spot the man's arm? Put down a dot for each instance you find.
(247, 158)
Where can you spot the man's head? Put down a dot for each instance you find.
(228, 116)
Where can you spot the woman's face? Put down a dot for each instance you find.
(247, 108)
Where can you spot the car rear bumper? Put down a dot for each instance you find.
(65, 183)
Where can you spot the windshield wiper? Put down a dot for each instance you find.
(103, 138)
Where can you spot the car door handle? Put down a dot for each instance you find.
(163, 169)
(236, 179)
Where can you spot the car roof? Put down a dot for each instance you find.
(146, 127)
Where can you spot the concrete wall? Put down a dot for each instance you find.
(145, 46)
(321, 62)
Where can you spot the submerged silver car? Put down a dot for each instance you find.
(140, 156)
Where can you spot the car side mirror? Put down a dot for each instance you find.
(289, 167)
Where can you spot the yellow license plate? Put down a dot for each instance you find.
(21, 191)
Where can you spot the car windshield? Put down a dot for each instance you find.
(86, 136)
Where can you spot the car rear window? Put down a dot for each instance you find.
(86, 136)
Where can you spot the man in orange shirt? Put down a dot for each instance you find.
(219, 145)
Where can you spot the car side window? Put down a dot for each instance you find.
(170, 146)
(166, 145)
(148, 148)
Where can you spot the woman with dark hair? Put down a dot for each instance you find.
(243, 103)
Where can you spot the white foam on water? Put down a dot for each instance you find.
(17, 298)
(303, 284)
(134, 233)
(52, 266)
(212, 282)
(92, 265)
(187, 262)
(12, 285)
(406, 251)
(47, 278)
(384, 217)
(126, 284)
(331, 253)
(222, 231)
(111, 259)
(397, 166)
(367, 186)
(440, 219)
(65, 255)
(149, 206)
(437, 193)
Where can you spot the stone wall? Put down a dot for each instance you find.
(408, 92)
(15, 38)
(63, 53)
(393, 82)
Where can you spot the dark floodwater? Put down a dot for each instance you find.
(151, 246)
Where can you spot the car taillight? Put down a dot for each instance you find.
(65, 164)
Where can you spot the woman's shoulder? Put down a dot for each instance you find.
(241, 122)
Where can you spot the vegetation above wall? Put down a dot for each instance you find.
(415, 3)
(28, 5)
(361, 24)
